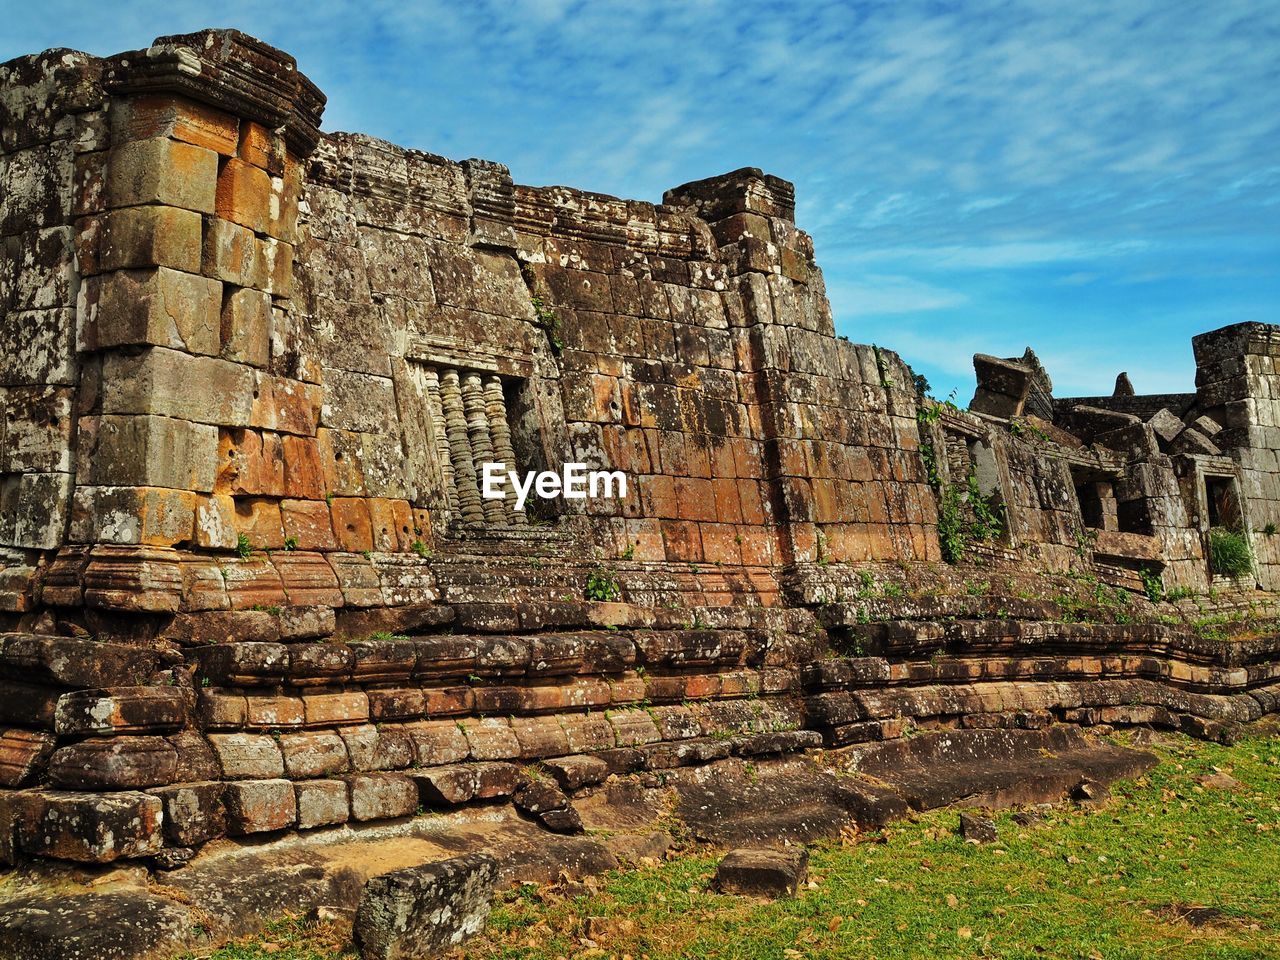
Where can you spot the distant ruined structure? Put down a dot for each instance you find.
(250, 373)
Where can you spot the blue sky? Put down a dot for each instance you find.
(1100, 180)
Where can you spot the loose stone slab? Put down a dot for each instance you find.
(763, 873)
(420, 911)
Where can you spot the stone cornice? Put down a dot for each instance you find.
(229, 70)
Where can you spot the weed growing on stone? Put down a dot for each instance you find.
(602, 586)
(1229, 552)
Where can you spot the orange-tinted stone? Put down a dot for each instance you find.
(682, 540)
(351, 523)
(258, 518)
(244, 195)
(303, 471)
(143, 117)
(308, 522)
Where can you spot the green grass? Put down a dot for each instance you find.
(1229, 552)
(1081, 884)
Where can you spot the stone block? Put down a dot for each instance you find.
(313, 754)
(148, 451)
(154, 516)
(114, 763)
(576, 772)
(382, 796)
(424, 911)
(37, 347)
(308, 524)
(437, 742)
(489, 738)
(385, 747)
(73, 661)
(162, 171)
(447, 786)
(357, 402)
(285, 405)
(275, 262)
(762, 873)
(23, 754)
(244, 195)
(547, 804)
(342, 461)
(194, 813)
(230, 254)
(162, 115)
(271, 710)
(352, 525)
(247, 756)
(246, 327)
(351, 706)
(307, 578)
(260, 806)
(36, 433)
(118, 710)
(137, 237)
(170, 383)
(258, 519)
(250, 463)
(229, 662)
(35, 187)
(261, 147)
(160, 307)
(303, 471)
(92, 827)
(322, 803)
(216, 522)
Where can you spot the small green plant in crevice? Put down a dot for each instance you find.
(1086, 539)
(1229, 553)
(243, 547)
(420, 549)
(291, 543)
(628, 553)
(1025, 430)
(385, 636)
(1269, 530)
(544, 316)
(1152, 585)
(602, 586)
(823, 560)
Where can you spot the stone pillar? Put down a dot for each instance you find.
(199, 430)
(470, 507)
(500, 431)
(473, 400)
(440, 431)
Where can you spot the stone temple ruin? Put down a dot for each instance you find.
(250, 373)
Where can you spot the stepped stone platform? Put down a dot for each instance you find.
(234, 888)
(258, 617)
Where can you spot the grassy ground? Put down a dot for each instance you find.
(1106, 883)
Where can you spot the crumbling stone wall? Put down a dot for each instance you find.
(250, 373)
(51, 112)
(1236, 379)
